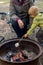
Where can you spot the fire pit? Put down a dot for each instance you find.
(28, 53)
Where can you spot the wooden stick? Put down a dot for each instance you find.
(21, 39)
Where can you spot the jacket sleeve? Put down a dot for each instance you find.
(33, 26)
(13, 11)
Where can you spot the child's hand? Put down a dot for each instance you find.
(25, 36)
(20, 23)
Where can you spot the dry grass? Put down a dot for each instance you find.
(5, 1)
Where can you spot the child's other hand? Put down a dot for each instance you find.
(20, 23)
(25, 36)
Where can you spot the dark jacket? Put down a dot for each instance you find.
(19, 9)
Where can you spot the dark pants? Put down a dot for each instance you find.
(19, 32)
(39, 36)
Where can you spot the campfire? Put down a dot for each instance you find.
(28, 53)
(20, 56)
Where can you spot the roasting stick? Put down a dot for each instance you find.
(17, 44)
(21, 39)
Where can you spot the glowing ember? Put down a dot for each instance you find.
(19, 56)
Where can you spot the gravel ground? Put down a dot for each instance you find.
(6, 31)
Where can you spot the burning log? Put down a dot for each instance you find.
(20, 56)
